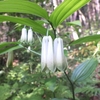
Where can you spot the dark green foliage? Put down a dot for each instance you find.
(88, 88)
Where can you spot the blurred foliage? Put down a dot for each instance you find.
(22, 84)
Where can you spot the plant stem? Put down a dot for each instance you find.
(31, 50)
(54, 30)
(38, 37)
(72, 85)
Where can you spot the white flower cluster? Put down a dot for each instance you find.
(52, 54)
(26, 36)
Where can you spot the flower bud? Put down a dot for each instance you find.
(24, 35)
(75, 36)
(30, 35)
(28, 49)
(9, 59)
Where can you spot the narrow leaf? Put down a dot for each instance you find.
(25, 21)
(86, 39)
(9, 46)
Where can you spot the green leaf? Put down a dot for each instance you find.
(84, 89)
(25, 21)
(23, 7)
(86, 39)
(63, 91)
(51, 84)
(34, 97)
(9, 46)
(28, 96)
(15, 86)
(5, 92)
(77, 22)
(41, 22)
(58, 99)
(84, 70)
(65, 9)
(17, 0)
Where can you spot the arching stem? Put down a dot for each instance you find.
(72, 85)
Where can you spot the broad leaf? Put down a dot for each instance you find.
(23, 7)
(25, 21)
(9, 46)
(84, 70)
(65, 9)
(86, 39)
(51, 84)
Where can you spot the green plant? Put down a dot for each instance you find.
(26, 82)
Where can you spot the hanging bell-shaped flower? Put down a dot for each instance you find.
(47, 54)
(23, 35)
(50, 55)
(30, 35)
(60, 59)
(44, 52)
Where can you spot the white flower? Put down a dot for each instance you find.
(30, 35)
(52, 54)
(28, 49)
(47, 56)
(24, 35)
(60, 59)
(75, 36)
(44, 52)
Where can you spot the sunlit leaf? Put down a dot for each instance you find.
(86, 39)
(65, 9)
(25, 21)
(84, 70)
(23, 7)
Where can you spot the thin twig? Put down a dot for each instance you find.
(31, 50)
